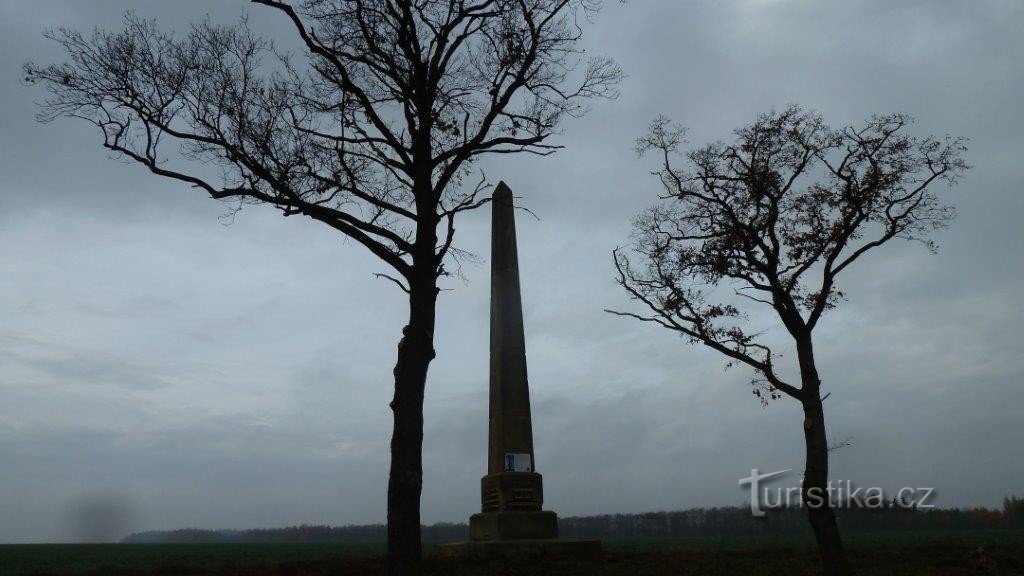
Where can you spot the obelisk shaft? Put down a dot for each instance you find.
(511, 430)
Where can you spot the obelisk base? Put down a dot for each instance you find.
(513, 525)
(518, 535)
(588, 550)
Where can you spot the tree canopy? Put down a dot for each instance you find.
(773, 219)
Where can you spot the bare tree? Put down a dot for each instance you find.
(373, 132)
(770, 222)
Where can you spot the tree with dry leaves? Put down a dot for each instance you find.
(373, 129)
(771, 222)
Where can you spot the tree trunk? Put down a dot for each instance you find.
(814, 492)
(415, 351)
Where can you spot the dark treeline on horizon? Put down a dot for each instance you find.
(708, 522)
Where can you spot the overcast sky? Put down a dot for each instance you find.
(170, 370)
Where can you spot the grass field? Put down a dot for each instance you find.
(902, 553)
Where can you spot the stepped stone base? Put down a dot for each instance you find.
(513, 525)
(522, 549)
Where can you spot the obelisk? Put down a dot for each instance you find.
(512, 491)
(511, 523)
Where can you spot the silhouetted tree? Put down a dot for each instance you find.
(372, 133)
(772, 220)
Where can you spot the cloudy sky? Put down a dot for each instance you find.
(163, 368)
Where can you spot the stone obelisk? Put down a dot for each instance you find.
(512, 492)
(511, 522)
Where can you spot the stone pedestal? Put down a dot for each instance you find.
(588, 550)
(511, 491)
(513, 525)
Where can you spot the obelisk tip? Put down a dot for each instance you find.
(502, 193)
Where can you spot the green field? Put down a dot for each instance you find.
(911, 553)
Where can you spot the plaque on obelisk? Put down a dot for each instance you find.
(511, 522)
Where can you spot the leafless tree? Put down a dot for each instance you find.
(373, 130)
(770, 222)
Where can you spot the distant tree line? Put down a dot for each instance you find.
(356, 534)
(697, 522)
(737, 521)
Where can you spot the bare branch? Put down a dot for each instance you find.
(395, 280)
(373, 134)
